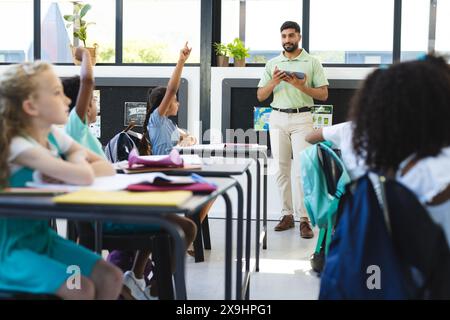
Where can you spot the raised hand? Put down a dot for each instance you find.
(80, 52)
(185, 52)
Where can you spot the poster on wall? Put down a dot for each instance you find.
(135, 111)
(322, 116)
(96, 127)
(261, 118)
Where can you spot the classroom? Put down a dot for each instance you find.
(223, 150)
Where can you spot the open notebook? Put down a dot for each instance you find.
(118, 182)
(156, 181)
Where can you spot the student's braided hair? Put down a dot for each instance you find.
(401, 111)
(17, 84)
(154, 99)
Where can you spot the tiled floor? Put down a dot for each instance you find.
(285, 271)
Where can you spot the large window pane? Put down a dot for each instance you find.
(56, 38)
(415, 24)
(154, 31)
(352, 31)
(16, 25)
(230, 20)
(262, 26)
(443, 27)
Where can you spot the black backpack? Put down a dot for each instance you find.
(120, 146)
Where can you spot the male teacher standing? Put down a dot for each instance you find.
(291, 119)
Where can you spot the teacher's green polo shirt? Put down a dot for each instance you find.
(287, 96)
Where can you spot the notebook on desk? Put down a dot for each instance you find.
(30, 192)
(166, 198)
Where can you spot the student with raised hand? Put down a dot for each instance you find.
(83, 107)
(33, 258)
(401, 129)
(161, 134)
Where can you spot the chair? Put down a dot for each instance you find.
(158, 242)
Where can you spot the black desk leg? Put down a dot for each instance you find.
(249, 221)
(205, 233)
(198, 246)
(98, 228)
(258, 212)
(265, 202)
(228, 245)
(177, 235)
(239, 244)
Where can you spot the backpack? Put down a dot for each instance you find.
(324, 179)
(376, 253)
(120, 146)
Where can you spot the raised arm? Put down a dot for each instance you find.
(87, 82)
(174, 81)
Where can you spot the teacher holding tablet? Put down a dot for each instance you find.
(295, 78)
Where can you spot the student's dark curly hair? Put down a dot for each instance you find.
(154, 99)
(401, 111)
(71, 88)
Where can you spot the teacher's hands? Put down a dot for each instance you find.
(296, 82)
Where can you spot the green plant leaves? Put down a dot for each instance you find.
(84, 10)
(238, 50)
(80, 25)
(69, 17)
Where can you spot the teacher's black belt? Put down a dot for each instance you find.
(294, 110)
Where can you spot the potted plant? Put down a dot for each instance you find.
(238, 52)
(80, 29)
(222, 54)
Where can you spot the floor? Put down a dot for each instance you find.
(285, 272)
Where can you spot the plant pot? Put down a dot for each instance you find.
(239, 62)
(92, 52)
(223, 61)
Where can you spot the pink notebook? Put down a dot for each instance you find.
(194, 187)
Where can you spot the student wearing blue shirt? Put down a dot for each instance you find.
(159, 131)
(34, 258)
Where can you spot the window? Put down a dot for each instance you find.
(352, 31)
(262, 26)
(443, 27)
(154, 31)
(56, 38)
(230, 21)
(16, 43)
(415, 24)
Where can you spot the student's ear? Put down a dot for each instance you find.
(30, 108)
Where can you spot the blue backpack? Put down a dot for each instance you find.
(376, 252)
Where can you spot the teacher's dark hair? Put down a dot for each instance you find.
(290, 25)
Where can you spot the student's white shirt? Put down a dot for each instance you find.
(340, 135)
(428, 178)
(21, 144)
